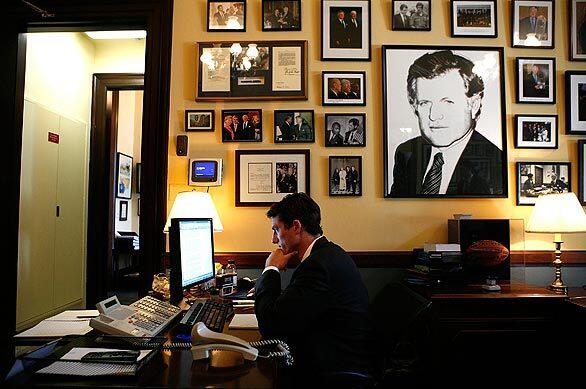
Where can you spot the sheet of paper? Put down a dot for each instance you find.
(244, 321)
(77, 353)
(287, 68)
(48, 329)
(74, 315)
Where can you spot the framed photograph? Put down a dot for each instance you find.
(582, 171)
(242, 125)
(123, 211)
(345, 130)
(577, 30)
(411, 15)
(123, 176)
(345, 32)
(261, 70)
(536, 131)
(264, 177)
(345, 176)
(444, 122)
(281, 15)
(199, 120)
(474, 19)
(226, 15)
(294, 126)
(533, 24)
(575, 102)
(540, 178)
(536, 80)
(343, 88)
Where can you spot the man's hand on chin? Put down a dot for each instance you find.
(279, 259)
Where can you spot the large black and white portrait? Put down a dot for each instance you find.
(345, 130)
(444, 133)
(536, 80)
(535, 179)
(345, 30)
(575, 102)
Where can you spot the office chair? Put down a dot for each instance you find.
(402, 329)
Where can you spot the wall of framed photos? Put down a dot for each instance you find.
(370, 221)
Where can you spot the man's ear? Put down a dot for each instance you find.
(475, 102)
(297, 225)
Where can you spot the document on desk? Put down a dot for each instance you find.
(246, 321)
(56, 329)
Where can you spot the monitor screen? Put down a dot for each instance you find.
(204, 171)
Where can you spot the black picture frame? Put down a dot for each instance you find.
(524, 81)
(228, 81)
(123, 211)
(266, 15)
(344, 121)
(540, 186)
(400, 119)
(474, 31)
(249, 134)
(582, 171)
(138, 177)
(123, 176)
(396, 26)
(521, 143)
(263, 198)
(210, 13)
(519, 38)
(575, 104)
(352, 76)
(294, 134)
(577, 14)
(352, 178)
(347, 51)
(192, 126)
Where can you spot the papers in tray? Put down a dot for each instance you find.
(72, 322)
(244, 321)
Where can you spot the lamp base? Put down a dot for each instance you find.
(558, 288)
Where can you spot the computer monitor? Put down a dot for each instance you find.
(191, 244)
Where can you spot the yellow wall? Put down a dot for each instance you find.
(119, 56)
(369, 222)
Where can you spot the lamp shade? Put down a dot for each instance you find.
(194, 204)
(557, 213)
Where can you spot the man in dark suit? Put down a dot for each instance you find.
(450, 156)
(286, 18)
(339, 33)
(333, 136)
(401, 20)
(335, 90)
(323, 312)
(533, 24)
(354, 31)
(220, 16)
(534, 83)
(287, 129)
(247, 128)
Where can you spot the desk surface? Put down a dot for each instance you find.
(508, 291)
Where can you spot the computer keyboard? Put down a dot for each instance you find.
(210, 312)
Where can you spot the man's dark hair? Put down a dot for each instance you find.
(432, 65)
(298, 206)
(354, 122)
(403, 6)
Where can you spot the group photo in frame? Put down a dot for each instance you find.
(536, 131)
(411, 15)
(575, 102)
(242, 125)
(346, 30)
(343, 88)
(294, 126)
(345, 176)
(533, 24)
(474, 19)
(261, 70)
(281, 15)
(535, 179)
(535, 80)
(582, 171)
(577, 30)
(123, 176)
(264, 177)
(199, 120)
(226, 15)
(444, 104)
(345, 130)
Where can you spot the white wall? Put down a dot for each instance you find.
(119, 56)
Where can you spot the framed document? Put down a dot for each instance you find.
(264, 177)
(262, 70)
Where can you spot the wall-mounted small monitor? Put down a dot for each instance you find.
(205, 172)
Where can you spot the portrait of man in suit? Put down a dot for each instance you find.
(241, 126)
(535, 81)
(335, 89)
(339, 32)
(535, 23)
(401, 19)
(450, 156)
(333, 136)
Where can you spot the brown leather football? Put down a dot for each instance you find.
(486, 253)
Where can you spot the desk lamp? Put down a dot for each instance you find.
(194, 204)
(557, 214)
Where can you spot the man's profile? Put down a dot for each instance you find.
(446, 97)
(323, 312)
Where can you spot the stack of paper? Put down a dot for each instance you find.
(75, 322)
(244, 321)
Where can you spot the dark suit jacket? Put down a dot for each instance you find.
(398, 21)
(525, 27)
(333, 95)
(323, 313)
(529, 85)
(354, 34)
(412, 158)
(337, 140)
(339, 37)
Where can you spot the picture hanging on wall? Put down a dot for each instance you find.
(294, 126)
(411, 15)
(577, 30)
(123, 211)
(343, 88)
(444, 122)
(575, 102)
(226, 15)
(474, 19)
(281, 15)
(345, 176)
(582, 171)
(244, 125)
(541, 178)
(124, 176)
(536, 80)
(345, 130)
(199, 120)
(533, 24)
(345, 30)
(536, 131)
